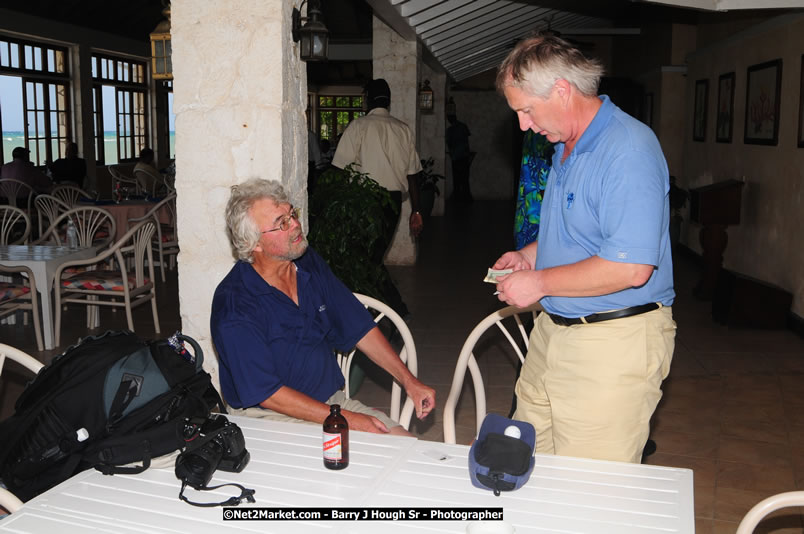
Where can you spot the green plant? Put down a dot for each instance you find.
(347, 219)
(427, 178)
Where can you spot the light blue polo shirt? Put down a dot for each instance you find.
(609, 199)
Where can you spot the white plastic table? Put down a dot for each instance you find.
(286, 470)
(43, 260)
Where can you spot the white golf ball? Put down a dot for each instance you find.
(513, 431)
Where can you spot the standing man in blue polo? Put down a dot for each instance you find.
(603, 271)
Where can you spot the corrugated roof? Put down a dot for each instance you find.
(468, 37)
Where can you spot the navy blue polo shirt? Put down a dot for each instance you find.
(264, 341)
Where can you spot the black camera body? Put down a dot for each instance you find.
(217, 444)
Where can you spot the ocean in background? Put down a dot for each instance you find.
(11, 140)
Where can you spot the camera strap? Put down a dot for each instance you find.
(245, 494)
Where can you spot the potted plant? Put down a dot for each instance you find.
(346, 222)
(428, 186)
(347, 219)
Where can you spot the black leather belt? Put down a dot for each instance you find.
(607, 316)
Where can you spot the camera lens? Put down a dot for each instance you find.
(196, 467)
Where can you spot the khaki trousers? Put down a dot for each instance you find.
(590, 389)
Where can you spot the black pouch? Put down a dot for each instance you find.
(499, 462)
(504, 454)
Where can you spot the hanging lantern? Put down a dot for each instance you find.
(314, 36)
(426, 97)
(161, 65)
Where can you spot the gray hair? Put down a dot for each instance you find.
(535, 64)
(242, 230)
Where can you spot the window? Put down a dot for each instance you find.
(119, 107)
(170, 116)
(34, 99)
(335, 113)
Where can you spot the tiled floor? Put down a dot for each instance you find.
(733, 409)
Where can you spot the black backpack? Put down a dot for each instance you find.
(108, 401)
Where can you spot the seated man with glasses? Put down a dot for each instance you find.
(280, 313)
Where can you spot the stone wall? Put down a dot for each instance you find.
(239, 99)
(495, 138)
(397, 61)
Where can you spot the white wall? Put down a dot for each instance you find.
(767, 244)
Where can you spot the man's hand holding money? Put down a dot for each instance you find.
(514, 276)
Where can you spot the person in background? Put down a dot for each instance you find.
(69, 170)
(457, 138)
(20, 168)
(383, 147)
(280, 313)
(146, 165)
(601, 267)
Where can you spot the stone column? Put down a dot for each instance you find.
(396, 60)
(239, 98)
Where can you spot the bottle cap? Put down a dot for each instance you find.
(513, 431)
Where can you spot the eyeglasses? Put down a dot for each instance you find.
(284, 222)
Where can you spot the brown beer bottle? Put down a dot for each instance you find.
(336, 439)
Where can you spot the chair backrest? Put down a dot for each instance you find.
(515, 334)
(137, 242)
(48, 208)
(11, 221)
(119, 177)
(7, 352)
(12, 190)
(70, 194)
(94, 226)
(760, 510)
(144, 177)
(381, 311)
(9, 501)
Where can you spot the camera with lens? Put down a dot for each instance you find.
(217, 443)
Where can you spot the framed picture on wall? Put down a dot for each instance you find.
(801, 107)
(699, 113)
(725, 108)
(763, 88)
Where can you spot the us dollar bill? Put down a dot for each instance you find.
(491, 276)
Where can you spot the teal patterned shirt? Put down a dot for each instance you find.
(537, 155)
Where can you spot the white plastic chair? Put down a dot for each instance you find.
(121, 287)
(765, 507)
(8, 500)
(70, 194)
(145, 177)
(14, 190)
(165, 242)
(11, 219)
(407, 354)
(18, 292)
(48, 209)
(93, 225)
(124, 180)
(7, 352)
(467, 359)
